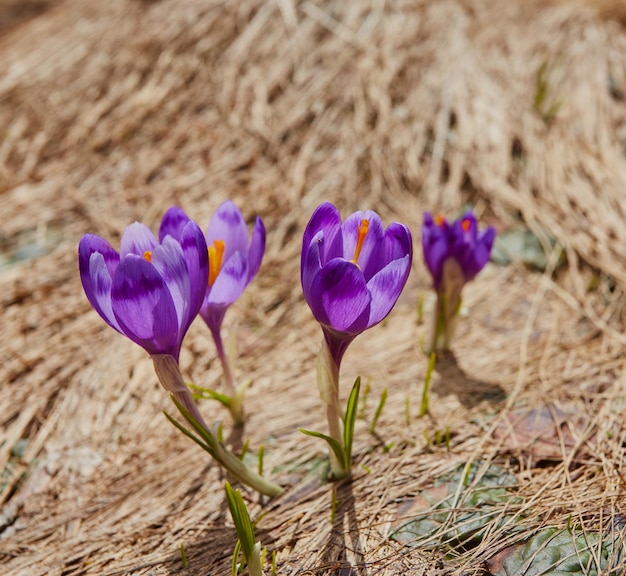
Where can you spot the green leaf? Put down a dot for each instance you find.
(554, 552)
(209, 394)
(261, 454)
(204, 434)
(334, 445)
(379, 410)
(213, 445)
(364, 397)
(349, 421)
(460, 509)
(521, 245)
(234, 569)
(188, 434)
(241, 518)
(244, 449)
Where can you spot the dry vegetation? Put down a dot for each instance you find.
(112, 111)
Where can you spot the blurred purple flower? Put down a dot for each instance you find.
(460, 241)
(234, 259)
(454, 253)
(352, 272)
(151, 290)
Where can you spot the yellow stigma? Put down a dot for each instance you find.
(439, 220)
(466, 224)
(362, 233)
(148, 255)
(216, 255)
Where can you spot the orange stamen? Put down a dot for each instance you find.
(362, 233)
(466, 224)
(216, 254)
(440, 220)
(148, 255)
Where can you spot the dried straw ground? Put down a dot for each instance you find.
(112, 111)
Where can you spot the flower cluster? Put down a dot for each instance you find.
(352, 273)
(151, 291)
(454, 254)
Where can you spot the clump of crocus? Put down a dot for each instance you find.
(454, 253)
(151, 291)
(352, 274)
(234, 259)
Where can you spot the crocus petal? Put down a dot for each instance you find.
(478, 255)
(326, 219)
(174, 220)
(227, 224)
(256, 248)
(144, 308)
(398, 242)
(486, 238)
(99, 290)
(371, 258)
(339, 298)
(213, 316)
(169, 261)
(311, 263)
(97, 263)
(386, 286)
(137, 239)
(196, 256)
(91, 243)
(435, 247)
(231, 281)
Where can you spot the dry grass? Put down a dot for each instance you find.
(112, 111)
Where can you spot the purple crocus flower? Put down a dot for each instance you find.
(460, 241)
(151, 290)
(352, 272)
(234, 259)
(454, 254)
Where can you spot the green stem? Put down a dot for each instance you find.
(447, 307)
(424, 407)
(227, 459)
(168, 372)
(236, 396)
(328, 384)
(254, 561)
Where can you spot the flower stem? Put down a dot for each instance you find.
(425, 405)
(168, 372)
(328, 383)
(448, 306)
(236, 396)
(444, 322)
(254, 561)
